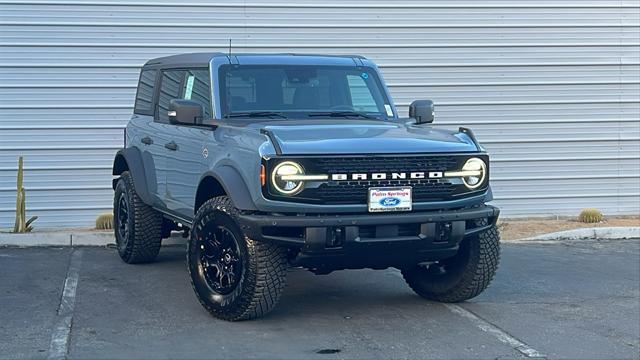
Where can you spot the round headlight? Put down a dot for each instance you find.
(475, 171)
(284, 169)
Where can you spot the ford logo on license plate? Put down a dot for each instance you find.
(390, 201)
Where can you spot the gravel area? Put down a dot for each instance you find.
(513, 229)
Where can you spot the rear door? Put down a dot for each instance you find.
(145, 134)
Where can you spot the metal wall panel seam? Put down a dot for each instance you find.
(375, 45)
(306, 25)
(389, 84)
(438, 124)
(442, 103)
(350, 5)
(486, 141)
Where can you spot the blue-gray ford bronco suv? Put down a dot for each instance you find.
(272, 161)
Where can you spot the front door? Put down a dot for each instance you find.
(186, 156)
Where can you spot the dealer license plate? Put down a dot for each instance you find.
(389, 199)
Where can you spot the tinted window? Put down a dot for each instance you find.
(144, 96)
(297, 90)
(361, 98)
(191, 84)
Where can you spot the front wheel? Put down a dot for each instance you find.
(462, 276)
(234, 277)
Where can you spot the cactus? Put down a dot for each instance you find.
(104, 221)
(590, 216)
(22, 224)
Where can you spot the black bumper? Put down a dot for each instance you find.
(370, 240)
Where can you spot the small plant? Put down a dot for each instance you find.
(104, 221)
(590, 215)
(22, 224)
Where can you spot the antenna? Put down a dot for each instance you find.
(229, 47)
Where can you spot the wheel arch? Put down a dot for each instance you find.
(130, 159)
(225, 180)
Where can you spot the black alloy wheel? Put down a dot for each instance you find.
(220, 258)
(122, 218)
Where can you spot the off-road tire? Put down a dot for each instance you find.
(263, 272)
(477, 261)
(144, 225)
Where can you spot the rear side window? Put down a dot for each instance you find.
(189, 84)
(144, 96)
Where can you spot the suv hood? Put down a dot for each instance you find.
(342, 136)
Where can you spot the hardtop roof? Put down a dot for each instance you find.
(203, 59)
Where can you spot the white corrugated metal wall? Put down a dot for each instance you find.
(551, 88)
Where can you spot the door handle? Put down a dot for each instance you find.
(171, 146)
(147, 140)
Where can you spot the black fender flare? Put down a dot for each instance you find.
(234, 186)
(130, 159)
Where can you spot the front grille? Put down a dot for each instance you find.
(344, 192)
(385, 164)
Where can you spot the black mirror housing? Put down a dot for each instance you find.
(187, 112)
(422, 111)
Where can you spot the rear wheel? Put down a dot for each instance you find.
(234, 277)
(462, 276)
(137, 227)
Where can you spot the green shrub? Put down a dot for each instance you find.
(104, 221)
(590, 216)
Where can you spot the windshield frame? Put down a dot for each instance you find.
(220, 89)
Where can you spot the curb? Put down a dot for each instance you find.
(599, 233)
(73, 238)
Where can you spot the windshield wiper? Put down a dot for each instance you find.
(253, 114)
(343, 114)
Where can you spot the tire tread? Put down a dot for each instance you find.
(475, 279)
(146, 231)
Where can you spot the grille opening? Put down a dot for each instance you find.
(369, 232)
(409, 230)
(285, 231)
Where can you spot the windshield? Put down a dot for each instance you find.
(288, 91)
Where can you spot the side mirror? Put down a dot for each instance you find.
(182, 111)
(422, 111)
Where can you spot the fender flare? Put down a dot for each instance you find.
(133, 163)
(234, 185)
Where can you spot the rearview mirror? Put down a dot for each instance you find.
(422, 111)
(182, 111)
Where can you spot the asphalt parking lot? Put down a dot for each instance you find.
(560, 300)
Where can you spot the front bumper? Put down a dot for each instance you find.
(370, 240)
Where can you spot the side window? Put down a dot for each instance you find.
(144, 95)
(361, 97)
(189, 84)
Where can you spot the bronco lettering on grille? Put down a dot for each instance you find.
(392, 176)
